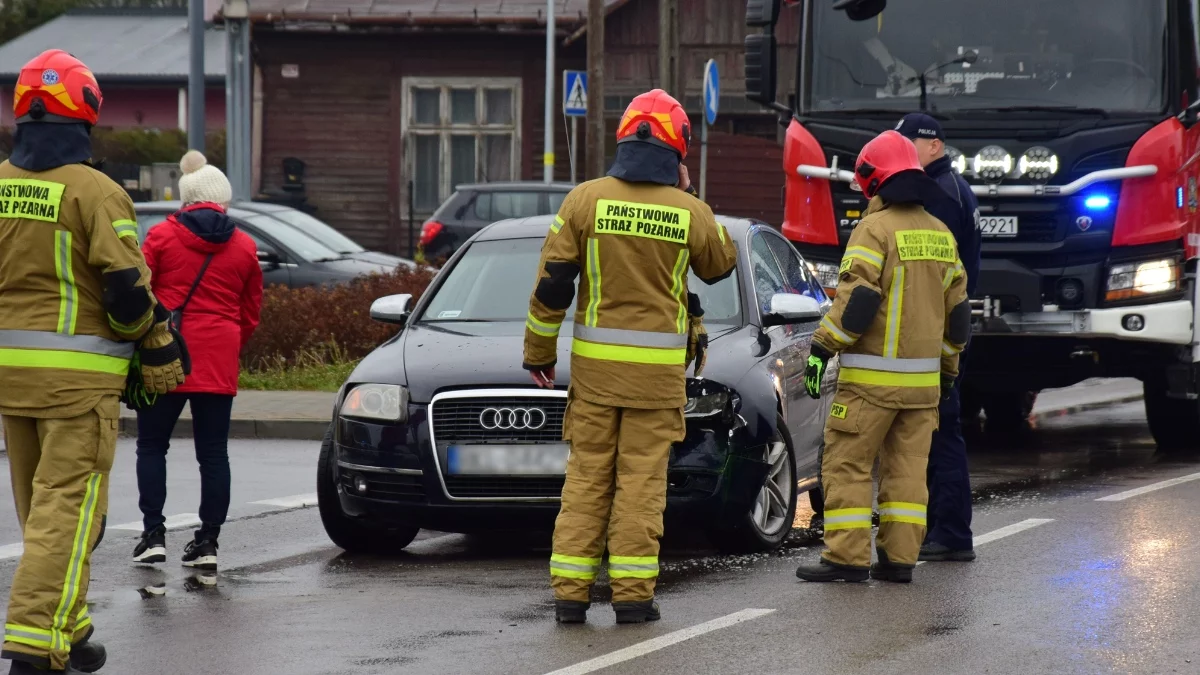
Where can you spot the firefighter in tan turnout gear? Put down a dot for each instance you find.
(75, 310)
(631, 238)
(899, 321)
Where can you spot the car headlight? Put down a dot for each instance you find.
(706, 405)
(825, 273)
(1038, 164)
(387, 402)
(992, 164)
(1133, 280)
(957, 160)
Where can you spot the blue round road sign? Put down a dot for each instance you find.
(712, 91)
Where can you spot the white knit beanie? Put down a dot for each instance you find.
(202, 182)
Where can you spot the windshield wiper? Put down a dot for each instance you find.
(1071, 109)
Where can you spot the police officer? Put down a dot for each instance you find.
(75, 309)
(949, 536)
(899, 320)
(631, 237)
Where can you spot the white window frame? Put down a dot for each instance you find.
(446, 129)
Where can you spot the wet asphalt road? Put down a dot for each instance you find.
(1067, 584)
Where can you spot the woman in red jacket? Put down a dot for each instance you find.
(200, 262)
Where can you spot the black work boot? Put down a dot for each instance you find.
(931, 551)
(636, 612)
(26, 668)
(88, 655)
(823, 570)
(571, 611)
(886, 570)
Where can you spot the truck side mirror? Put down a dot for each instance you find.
(762, 13)
(1191, 114)
(760, 69)
(861, 10)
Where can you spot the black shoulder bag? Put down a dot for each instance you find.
(176, 320)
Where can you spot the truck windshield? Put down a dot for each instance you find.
(1031, 55)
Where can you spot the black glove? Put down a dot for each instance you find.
(814, 372)
(947, 386)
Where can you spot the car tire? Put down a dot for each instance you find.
(1174, 423)
(764, 526)
(351, 534)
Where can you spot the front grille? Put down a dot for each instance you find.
(457, 419)
(1036, 228)
(503, 486)
(392, 487)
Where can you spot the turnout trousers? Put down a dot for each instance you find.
(856, 433)
(59, 471)
(615, 491)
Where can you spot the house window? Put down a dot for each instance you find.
(460, 130)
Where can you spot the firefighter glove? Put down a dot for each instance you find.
(697, 345)
(947, 386)
(814, 372)
(135, 396)
(163, 359)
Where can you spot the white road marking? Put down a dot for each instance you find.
(1007, 531)
(293, 502)
(660, 642)
(1122, 496)
(175, 522)
(11, 551)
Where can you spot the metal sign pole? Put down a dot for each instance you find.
(703, 157)
(574, 145)
(548, 129)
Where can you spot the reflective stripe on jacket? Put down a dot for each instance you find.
(61, 231)
(631, 245)
(908, 260)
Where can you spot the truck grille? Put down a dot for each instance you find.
(458, 419)
(500, 486)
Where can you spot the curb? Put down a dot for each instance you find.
(1083, 407)
(282, 429)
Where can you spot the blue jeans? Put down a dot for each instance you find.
(210, 427)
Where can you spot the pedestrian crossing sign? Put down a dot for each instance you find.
(574, 93)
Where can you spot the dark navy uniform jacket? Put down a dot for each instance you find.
(963, 221)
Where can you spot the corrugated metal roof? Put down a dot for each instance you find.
(422, 11)
(124, 45)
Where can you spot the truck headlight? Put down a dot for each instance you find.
(1038, 164)
(957, 160)
(388, 402)
(1134, 280)
(992, 164)
(826, 275)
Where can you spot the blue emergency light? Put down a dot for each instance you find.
(1097, 202)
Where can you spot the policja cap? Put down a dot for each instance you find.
(920, 125)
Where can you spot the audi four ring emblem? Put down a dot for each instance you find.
(531, 419)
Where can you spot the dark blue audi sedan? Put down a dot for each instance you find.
(441, 428)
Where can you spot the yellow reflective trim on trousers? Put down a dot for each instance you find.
(55, 358)
(557, 225)
(866, 255)
(837, 332)
(677, 289)
(911, 506)
(574, 560)
(884, 379)
(574, 567)
(39, 638)
(632, 574)
(593, 272)
(68, 296)
(633, 560)
(82, 619)
(541, 327)
(627, 354)
(895, 307)
(848, 519)
(80, 549)
(125, 228)
(132, 329)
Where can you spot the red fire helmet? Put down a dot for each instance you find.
(656, 117)
(881, 158)
(56, 87)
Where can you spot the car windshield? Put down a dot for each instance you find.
(293, 239)
(494, 279)
(318, 230)
(1100, 54)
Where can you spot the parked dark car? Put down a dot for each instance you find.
(294, 248)
(410, 446)
(473, 207)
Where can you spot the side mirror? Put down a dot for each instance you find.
(760, 69)
(788, 308)
(392, 308)
(270, 258)
(762, 13)
(861, 10)
(1191, 114)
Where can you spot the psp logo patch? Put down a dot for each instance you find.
(49, 77)
(1084, 223)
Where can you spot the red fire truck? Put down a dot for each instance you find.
(1075, 121)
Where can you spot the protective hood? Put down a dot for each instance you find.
(912, 187)
(207, 224)
(646, 163)
(41, 146)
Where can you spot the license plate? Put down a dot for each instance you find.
(549, 459)
(998, 226)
